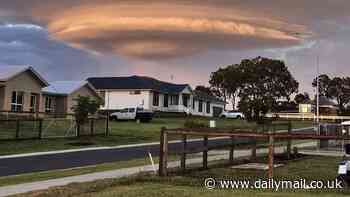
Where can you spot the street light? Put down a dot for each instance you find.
(306, 35)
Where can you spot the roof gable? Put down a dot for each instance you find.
(64, 87)
(9, 72)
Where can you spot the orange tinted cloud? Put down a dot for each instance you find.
(163, 30)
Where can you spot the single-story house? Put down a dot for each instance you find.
(152, 94)
(59, 95)
(326, 106)
(20, 89)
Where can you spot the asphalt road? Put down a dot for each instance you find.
(20, 165)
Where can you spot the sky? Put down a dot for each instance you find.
(180, 41)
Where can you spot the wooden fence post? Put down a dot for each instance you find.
(271, 155)
(183, 155)
(205, 152)
(163, 152)
(232, 149)
(92, 127)
(289, 142)
(40, 135)
(17, 128)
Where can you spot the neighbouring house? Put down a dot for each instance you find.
(152, 94)
(326, 106)
(20, 89)
(59, 96)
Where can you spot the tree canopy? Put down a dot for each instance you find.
(337, 88)
(258, 83)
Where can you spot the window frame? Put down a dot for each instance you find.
(49, 108)
(155, 99)
(174, 99)
(208, 107)
(33, 105)
(15, 105)
(200, 106)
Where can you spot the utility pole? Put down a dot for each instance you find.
(318, 96)
(318, 102)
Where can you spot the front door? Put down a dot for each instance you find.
(166, 100)
(33, 103)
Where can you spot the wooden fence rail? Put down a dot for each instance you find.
(206, 133)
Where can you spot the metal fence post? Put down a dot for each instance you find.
(40, 129)
(107, 124)
(232, 149)
(78, 129)
(183, 155)
(92, 127)
(205, 152)
(17, 128)
(289, 142)
(163, 152)
(271, 155)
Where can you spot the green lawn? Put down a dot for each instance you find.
(191, 184)
(127, 132)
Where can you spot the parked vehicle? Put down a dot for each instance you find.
(344, 168)
(136, 113)
(232, 114)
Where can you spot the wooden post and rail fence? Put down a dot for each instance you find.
(232, 136)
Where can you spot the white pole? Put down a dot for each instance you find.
(152, 162)
(318, 104)
(318, 96)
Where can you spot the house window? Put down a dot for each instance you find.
(208, 107)
(166, 100)
(136, 92)
(193, 103)
(185, 100)
(174, 100)
(32, 103)
(49, 104)
(17, 101)
(200, 106)
(155, 99)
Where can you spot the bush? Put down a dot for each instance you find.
(195, 123)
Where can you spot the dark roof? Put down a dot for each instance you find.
(199, 95)
(323, 101)
(135, 82)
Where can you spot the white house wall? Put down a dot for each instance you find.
(123, 99)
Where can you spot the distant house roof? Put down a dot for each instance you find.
(8, 72)
(135, 82)
(323, 101)
(199, 95)
(64, 87)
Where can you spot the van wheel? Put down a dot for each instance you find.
(223, 116)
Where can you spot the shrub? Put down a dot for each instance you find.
(195, 123)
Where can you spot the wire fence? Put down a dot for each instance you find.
(17, 129)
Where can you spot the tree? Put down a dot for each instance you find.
(206, 90)
(263, 82)
(302, 98)
(339, 90)
(324, 82)
(335, 88)
(218, 84)
(226, 82)
(84, 107)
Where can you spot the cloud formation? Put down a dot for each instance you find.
(159, 29)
